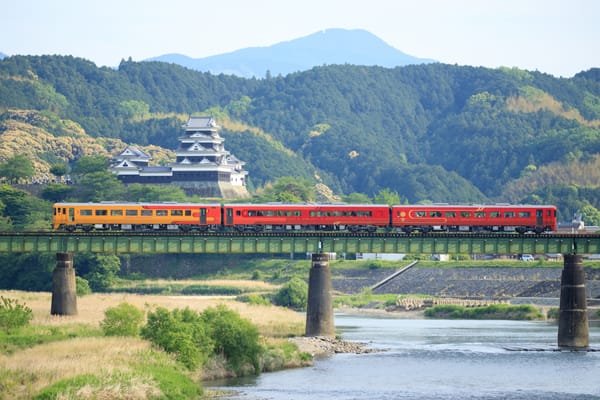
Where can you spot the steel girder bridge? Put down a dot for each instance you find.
(296, 242)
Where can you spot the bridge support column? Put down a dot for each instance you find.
(64, 290)
(319, 314)
(573, 327)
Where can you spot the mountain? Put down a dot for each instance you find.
(431, 133)
(327, 47)
(2, 55)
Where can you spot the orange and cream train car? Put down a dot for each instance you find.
(136, 216)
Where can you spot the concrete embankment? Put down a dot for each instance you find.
(499, 283)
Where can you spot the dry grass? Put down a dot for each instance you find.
(241, 284)
(28, 371)
(270, 320)
(110, 359)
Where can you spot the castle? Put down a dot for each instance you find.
(202, 167)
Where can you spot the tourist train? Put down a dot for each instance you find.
(304, 217)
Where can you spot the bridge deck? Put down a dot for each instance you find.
(292, 242)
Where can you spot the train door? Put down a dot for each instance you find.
(539, 217)
(203, 216)
(229, 216)
(71, 214)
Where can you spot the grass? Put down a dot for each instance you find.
(68, 358)
(494, 311)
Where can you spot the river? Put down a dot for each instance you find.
(438, 359)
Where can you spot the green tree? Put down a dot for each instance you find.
(90, 164)
(13, 314)
(234, 337)
(55, 192)
(590, 215)
(181, 332)
(17, 168)
(122, 320)
(357, 198)
(290, 189)
(139, 192)
(58, 170)
(100, 186)
(100, 270)
(386, 196)
(293, 294)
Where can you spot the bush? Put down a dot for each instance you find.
(13, 314)
(182, 332)
(254, 299)
(122, 320)
(82, 286)
(234, 337)
(293, 294)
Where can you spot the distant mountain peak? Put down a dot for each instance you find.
(329, 46)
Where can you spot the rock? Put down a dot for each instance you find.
(322, 345)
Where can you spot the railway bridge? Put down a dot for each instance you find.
(573, 330)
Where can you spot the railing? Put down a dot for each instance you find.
(305, 242)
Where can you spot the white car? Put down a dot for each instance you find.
(526, 257)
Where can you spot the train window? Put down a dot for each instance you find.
(101, 212)
(465, 214)
(435, 213)
(495, 214)
(450, 214)
(64, 211)
(549, 213)
(188, 213)
(131, 213)
(85, 212)
(161, 213)
(116, 213)
(509, 214)
(176, 213)
(312, 213)
(298, 213)
(420, 213)
(524, 214)
(239, 213)
(147, 213)
(479, 214)
(270, 213)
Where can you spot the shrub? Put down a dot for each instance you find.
(293, 294)
(82, 286)
(234, 337)
(122, 320)
(13, 314)
(182, 332)
(254, 299)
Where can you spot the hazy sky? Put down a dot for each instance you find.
(560, 37)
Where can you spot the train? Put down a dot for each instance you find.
(408, 219)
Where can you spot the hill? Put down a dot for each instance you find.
(331, 46)
(431, 132)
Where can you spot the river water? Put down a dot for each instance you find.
(438, 359)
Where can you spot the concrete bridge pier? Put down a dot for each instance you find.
(573, 326)
(319, 313)
(64, 290)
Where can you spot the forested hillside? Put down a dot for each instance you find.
(434, 132)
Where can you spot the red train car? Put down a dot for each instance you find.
(256, 217)
(473, 218)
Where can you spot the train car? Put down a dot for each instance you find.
(136, 216)
(474, 218)
(258, 217)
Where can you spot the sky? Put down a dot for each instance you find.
(558, 37)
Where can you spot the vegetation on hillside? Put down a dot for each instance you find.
(433, 132)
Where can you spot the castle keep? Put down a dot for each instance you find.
(202, 167)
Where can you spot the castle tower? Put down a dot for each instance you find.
(202, 167)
